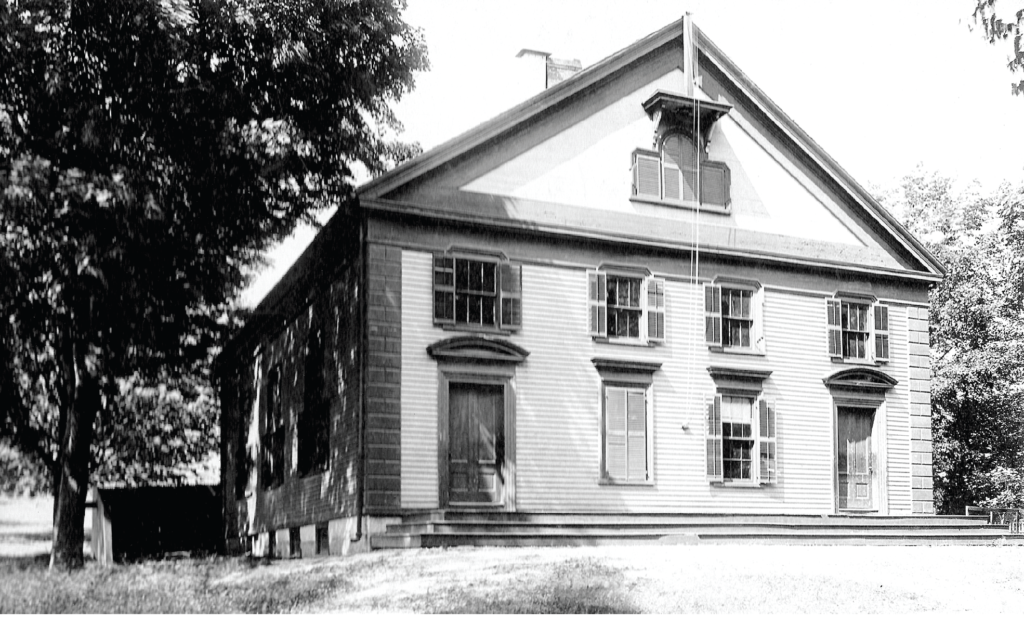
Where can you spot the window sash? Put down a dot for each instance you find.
(475, 292)
(739, 445)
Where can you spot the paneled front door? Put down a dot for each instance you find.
(855, 459)
(476, 443)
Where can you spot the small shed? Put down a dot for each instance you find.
(155, 522)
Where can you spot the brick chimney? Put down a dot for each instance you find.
(561, 69)
(555, 70)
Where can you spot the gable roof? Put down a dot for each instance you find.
(444, 154)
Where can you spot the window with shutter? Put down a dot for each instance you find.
(680, 173)
(477, 292)
(626, 445)
(625, 307)
(733, 317)
(857, 329)
(741, 440)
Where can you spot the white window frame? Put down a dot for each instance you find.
(715, 320)
(764, 439)
(652, 300)
(877, 347)
(507, 291)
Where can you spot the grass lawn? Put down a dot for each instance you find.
(600, 579)
(592, 579)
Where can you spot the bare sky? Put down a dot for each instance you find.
(880, 85)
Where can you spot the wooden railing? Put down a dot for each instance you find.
(1012, 518)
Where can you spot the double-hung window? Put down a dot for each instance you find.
(272, 441)
(626, 306)
(741, 443)
(477, 292)
(858, 329)
(732, 316)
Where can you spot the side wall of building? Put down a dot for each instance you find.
(331, 300)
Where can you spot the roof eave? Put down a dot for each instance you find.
(511, 118)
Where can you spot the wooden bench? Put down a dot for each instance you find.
(1011, 517)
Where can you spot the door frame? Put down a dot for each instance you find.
(880, 477)
(490, 375)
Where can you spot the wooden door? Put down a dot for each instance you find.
(476, 443)
(855, 459)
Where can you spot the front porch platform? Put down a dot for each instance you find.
(468, 528)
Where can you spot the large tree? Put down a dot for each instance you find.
(976, 336)
(150, 151)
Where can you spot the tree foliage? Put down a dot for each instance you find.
(150, 151)
(1004, 29)
(976, 336)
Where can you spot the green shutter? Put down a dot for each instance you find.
(835, 327)
(767, 443)
(636, 435)
(713, 436)
(882, 333)
(444, 289)
(597, 303)
(615, 460)
(511, 276)
(656, 310)
(713, 315)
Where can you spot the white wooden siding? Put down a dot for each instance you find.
(558, 402)
(419, 383)
(897, 411)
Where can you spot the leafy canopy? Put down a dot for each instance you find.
(150, 151)
(976, 336)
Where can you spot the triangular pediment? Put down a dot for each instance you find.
(561, 161)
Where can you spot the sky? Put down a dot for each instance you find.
(882, 86)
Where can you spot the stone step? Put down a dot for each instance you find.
(567, 519)
(500, 528)
(653, 538)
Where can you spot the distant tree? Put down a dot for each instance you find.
(150, 151)
(1005, 29)
(976, 336)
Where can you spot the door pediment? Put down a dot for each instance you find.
(478, 349)
(860, 379)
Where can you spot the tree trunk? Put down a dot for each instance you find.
(73, 462)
